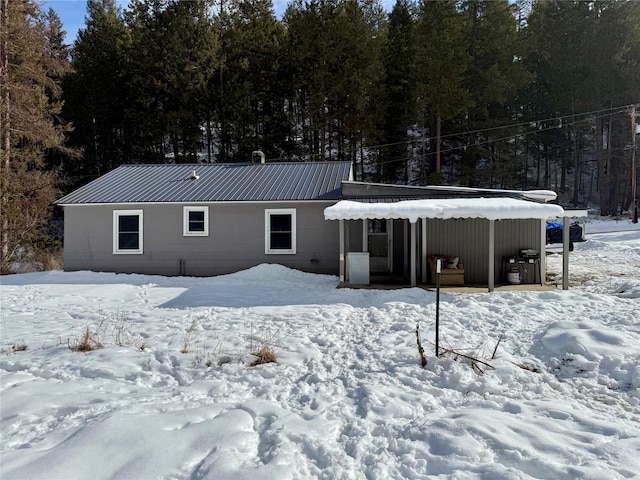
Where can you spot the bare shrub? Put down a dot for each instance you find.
(495, 350)
(18, 347)
(121, 335)
(15, 347)
(203, 356)
(264, 355)
(198, 358)
(87, 343)
(261, 346)
(478, 365)
(52, 259)
(27, 195)
(190, 336)
(423, 359)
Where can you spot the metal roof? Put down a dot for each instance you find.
(380, 192)
(253, 182)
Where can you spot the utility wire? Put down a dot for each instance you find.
(492, 140)
(605, 112)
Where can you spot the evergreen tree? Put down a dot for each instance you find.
(335, 54)
(616, 57)
(31, 68)
(250, 82)
(559, 36)
(443, 64)
(96, 93)
(172, 58)
(359, 87)
(495, 76)
(400, 89)
(311, 53)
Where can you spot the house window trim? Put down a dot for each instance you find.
(128, 251)
(185, 221)
(267, 231)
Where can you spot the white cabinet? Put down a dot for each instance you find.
(358, 268)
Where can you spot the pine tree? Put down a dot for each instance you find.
(172, 58)
(496, 74)
(335, 56)
(96, 93)
(30, 75)
(616, 57)
(443, 64)
(400, 89)
(359, 86)
(250, 82)
(311, 53)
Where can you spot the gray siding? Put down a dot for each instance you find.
(464, 238)
(236, 240)
(469, 240)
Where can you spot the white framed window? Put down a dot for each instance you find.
(280, 231)
(195, 221)
(127, 232)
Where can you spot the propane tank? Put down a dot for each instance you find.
(513, 276)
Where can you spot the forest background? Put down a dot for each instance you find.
(484, 93)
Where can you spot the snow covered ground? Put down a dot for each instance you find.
(171, 393)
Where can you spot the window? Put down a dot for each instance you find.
(195, 221)
(280, 231)
(127, 231)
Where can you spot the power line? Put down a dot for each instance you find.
(561, 118)
(520, 134)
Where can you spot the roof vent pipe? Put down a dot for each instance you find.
(194, 175)
(257, 157)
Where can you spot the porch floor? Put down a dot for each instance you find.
(456, 288)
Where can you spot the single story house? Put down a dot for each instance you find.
(205, 219)
(212, 219)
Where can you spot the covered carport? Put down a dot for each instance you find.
(418, 212)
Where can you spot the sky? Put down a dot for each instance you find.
(72, 12)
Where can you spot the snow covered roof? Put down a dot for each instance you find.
(355, 190)
(497, 208)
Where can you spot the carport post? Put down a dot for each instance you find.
(492, 255)
(341, 228)
(423, 250)
(413, 254)
(438, 270)
(565, 253)
(543, 253)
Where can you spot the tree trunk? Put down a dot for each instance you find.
(576, 167)
(604, 159)
(438, 140)
(547, 169)
(5, 119)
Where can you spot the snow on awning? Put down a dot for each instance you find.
(490, 208)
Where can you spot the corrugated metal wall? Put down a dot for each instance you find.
(469, 240)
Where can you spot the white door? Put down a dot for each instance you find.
(379, 235)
